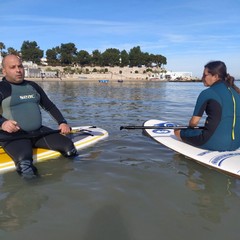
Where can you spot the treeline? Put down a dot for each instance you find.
(67, 55)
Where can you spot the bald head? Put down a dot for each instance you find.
(12, 68)
(9, 58)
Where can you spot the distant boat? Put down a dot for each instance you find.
(83, 78)
(120, 80)
(103, 81)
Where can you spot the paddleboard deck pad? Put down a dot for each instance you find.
(227, 162)
(82, 137)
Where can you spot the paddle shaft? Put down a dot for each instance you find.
(159, 127)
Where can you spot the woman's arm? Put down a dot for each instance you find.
(194, 121)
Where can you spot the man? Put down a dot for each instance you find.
(21, 101)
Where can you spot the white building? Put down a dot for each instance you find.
(1, 58)
(44, 61)
(172, 76)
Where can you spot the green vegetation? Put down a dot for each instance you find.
(67, 55)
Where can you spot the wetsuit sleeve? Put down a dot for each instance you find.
(2, 120)
(48, 105)
(5, 91)
(201, 104)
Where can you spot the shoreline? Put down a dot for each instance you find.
(122, 74)
(108, 74)
(105, 79)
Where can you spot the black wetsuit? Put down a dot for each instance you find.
(22, 102)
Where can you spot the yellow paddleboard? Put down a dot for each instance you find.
(82, 137)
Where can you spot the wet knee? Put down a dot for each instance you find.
(71, 153)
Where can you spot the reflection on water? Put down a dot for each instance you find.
(127, 186)
(18, 202)
(108, 218)
(211, 189)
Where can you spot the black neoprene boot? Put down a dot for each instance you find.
(26, 169)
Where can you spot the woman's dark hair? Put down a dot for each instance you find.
(219, 68)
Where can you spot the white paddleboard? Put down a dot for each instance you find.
(227, 162)
(82, 137)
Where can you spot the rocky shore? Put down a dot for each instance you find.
(111, 74)
(120, 74)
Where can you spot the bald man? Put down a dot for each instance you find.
(21, 101)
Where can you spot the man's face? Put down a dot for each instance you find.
(13, 69)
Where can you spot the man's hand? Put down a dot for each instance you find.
(65, 129)
(10, 126)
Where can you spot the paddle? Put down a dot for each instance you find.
(160, 127)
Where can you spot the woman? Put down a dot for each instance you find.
(221, 103)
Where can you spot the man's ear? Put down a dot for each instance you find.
(3, 72)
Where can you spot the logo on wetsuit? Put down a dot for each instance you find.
(27, 97)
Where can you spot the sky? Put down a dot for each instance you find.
(189, 33)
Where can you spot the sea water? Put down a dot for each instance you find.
(126, 187)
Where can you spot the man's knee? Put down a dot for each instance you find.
(70, 153)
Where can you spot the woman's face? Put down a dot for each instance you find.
(209, 79)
